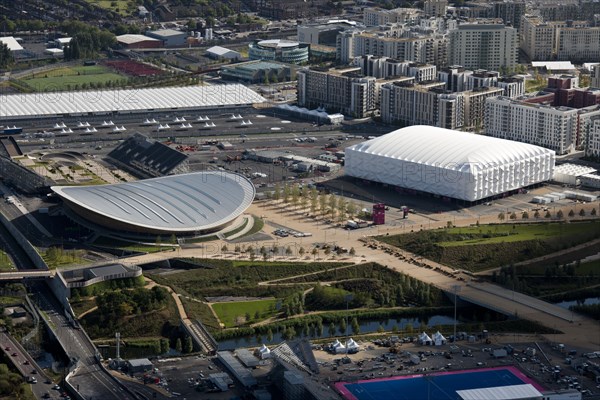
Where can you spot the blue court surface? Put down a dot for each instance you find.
(441, 386)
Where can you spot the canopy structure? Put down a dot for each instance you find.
(449, 163)
(424, 339)
(438, 339)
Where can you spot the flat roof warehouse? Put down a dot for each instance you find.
(48, 104)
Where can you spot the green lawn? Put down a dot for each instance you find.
(507, 233)
(584, 269)
(234, 313)
(6, 264)
(119, 6)
(67, 77)
(103, 241)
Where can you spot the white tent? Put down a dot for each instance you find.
(424, 339)
(263, 352)
(338, 347)
(352, 345)
(453, 164)
(438, 339)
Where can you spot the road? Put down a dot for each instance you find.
(579, 331)
(92, 382)
(28, 367)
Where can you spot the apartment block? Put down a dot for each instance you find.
(595, 82)
(435, 8)
(430, 104)
(378, 16)
(574, 41)
(424, 49)
(593, 139)
(554, 128)
(343, 90)
(483, 46)
(384, 67)
(459, 79)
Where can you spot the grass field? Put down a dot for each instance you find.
(67, 77)
(234, 313)
(514, 233)
(119, 6)
(478, 248)
(103, 241)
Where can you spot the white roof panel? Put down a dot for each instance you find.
(455, 150)
(513, 392)
(187, 97)
(554, 65)
(178, 203)
(11, 43)
(131, 38)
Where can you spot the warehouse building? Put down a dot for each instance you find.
(222, 53)
(25, 107)
(170, 37)
(187, 205)
(131, 41)
(454, 164)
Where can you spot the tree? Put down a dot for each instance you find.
(343, 326)
(536, 215)
(571, 213)
(247, 317)
(178, 346)
(355, 326)
(525, 215)
(188, 345)
(277, 192)
(593, 212)
(237, 248)
(332, 201)
(269, 335)
(352, 252)
(256, 315)
(380, 329)
(560, 214)
(322, 203)
(164, 346)
(513, 216)
(314, 252)
(224, 248)
(331, 329)
(327, 250)
(6, 56)
(582, 213)
(301, 251)
(501, 216)
(351, 209)
(288, 251)
(548, 215)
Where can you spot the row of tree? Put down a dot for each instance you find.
(537, 214)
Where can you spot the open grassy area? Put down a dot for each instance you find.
(235, 313)
(478, 248)
(69, 77)
(201, 312)
(120, 6)
(514, 233)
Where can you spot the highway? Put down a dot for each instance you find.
(89, 379)
(27, 367)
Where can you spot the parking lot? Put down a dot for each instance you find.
(546, 364)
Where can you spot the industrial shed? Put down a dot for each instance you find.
(126, 101)
(449, 163)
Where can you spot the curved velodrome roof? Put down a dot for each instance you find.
(449, 149)
(178, 203)
(21, 105)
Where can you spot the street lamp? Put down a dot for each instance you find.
(455, 289)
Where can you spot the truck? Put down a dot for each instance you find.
(352, 224)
